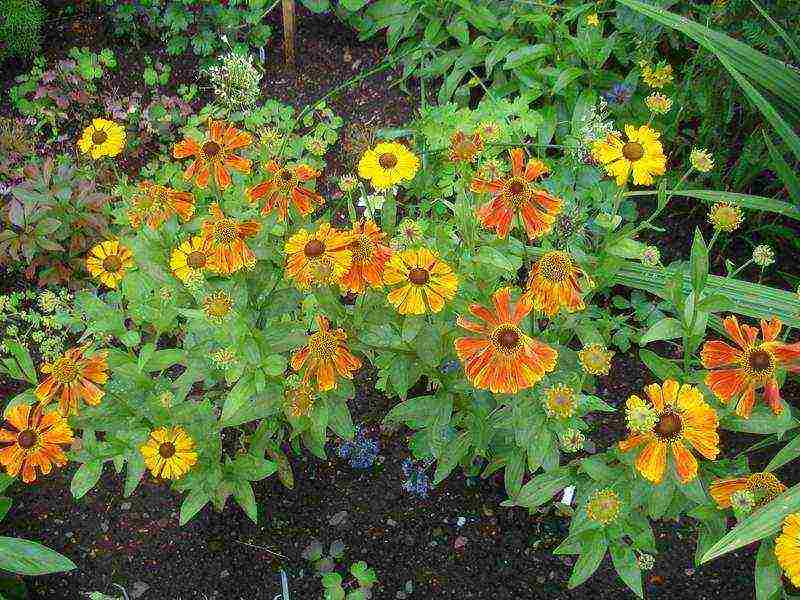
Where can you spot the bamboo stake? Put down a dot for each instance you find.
(288, 32)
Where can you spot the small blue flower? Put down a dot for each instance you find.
(619, 93)
(361, 452)
(416, 480)
(449, 366)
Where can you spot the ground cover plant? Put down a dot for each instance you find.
(207, 285)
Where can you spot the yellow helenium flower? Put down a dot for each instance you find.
(102, 138)
(658, 103)
(423, 282)
(388, 164)
(217, 306)
(169, 452)
(320, 257)
(603, 506)
(560, 401)
(190, 259)
(702, 160)
(108, 261)
(595, 359)
(787, 548)
(642, 154)
(656, 77)
(725, 217)
(593, 20)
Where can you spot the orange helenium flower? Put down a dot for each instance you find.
(516, 195)
(736, 373)
(369, 258)
(500, 357)
(765, 487)
(324, 356)
(31, 439)
(215, 154)
(682, 416)
(463, 148)
(553, 283)
(285, 186)
(322, 257)
(72, 377)
(153, 204)
(225, 240)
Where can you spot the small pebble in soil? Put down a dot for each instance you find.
(338, 519)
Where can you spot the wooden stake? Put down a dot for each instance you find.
(288, 32)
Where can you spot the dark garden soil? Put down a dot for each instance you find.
(458, 543)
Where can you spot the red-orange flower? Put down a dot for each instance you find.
(501, 358)
(214, 155)
(31, 440)
(736, 373)
(72, 377)
(225, 239)
(463, 148)
(324, 356)
(285, 186)
(765, 487)
(153, 204)
(516, 195)
(369, 258)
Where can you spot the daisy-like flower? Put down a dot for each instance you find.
(553, 284)
(423, 282)
(736, 373)
(31, 440)
(388, 164)
(153, 204)
(763, 255)
(108, 262)
(658, 103)
(725, 217)
(224, 358)
(490, 130)
(517, 195)
(321, 257)
(370, 254)
(499, 356)
(102, 138)
(410, 233)
(348, 183)
(701, 160)
(465, 148)
(656, 76)
(169, 452)
(684, 418)
(572, 440)
(593, 20)
(603, 506)
(285, 186)
(300, 400)
(560, 401)
(764, 487)
(190, 259)
(595, 359)
(215, 154)
(642, 155)
(72, 377)
(324, 356)
(217, 306)
(651, 256)
(226, 240)
(787, 548)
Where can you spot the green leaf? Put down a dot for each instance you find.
(624, 559)
(85, 478)
(593, 551)
(785, 455)
(540, 489)
(243, 493)
(699, 262)
(527, 54)
(353, 5)
(31, 558)
(5, 504)
(23, 358)
(660, 367)
(237, 398)
(784, 171)
(192, 504)
(134, 472)
(665, 329)
(768, 572)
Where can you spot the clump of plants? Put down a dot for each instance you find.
(20, 27)
(335, 586)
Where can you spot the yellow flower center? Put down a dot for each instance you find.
(669, 426)
(759, 362)
(196, 259)
(210, 150)
(99, 137)
(301, 401)
(516, 190)
(218, 305)
(603, 507)
(387, 160)
(765, 487)
(507, 338)
(555, 266)
(418, 276)
(633, 151)
(65, 370)
(27, 438)
(225, 231)
(363, 248)
(166, 450)
(323, 346)
(314, 248)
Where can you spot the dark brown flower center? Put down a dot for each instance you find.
(211, 149)
(668, 426)
(387, 160)
(508, 338)
(516, 187)
(363, 248)
(99, 137)
(314, 248)
(633, 151)
(112, 264)
(196, 259)
(166, 450)
(27, 438)
(760, 361)
(225, 231)
(418, 276)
